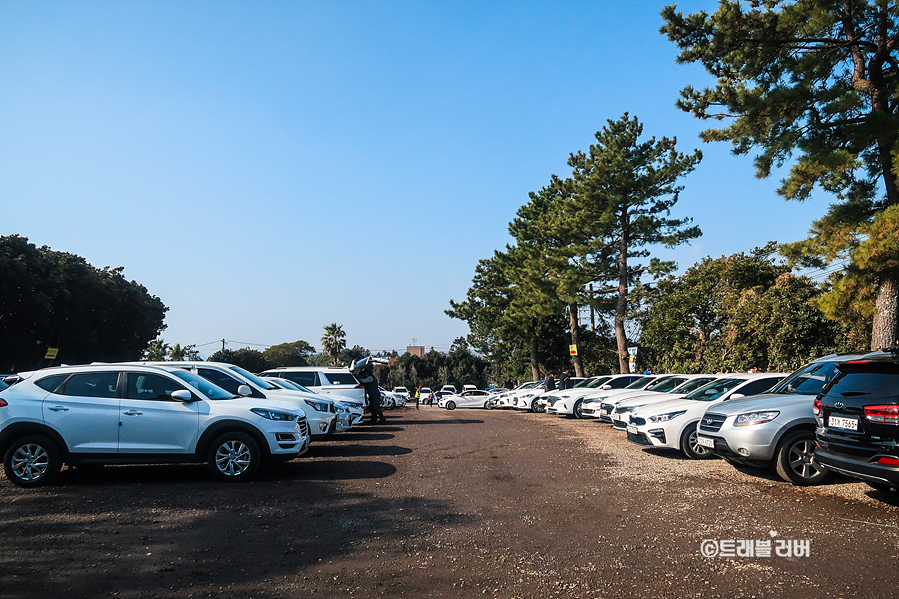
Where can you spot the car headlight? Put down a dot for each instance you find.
(666, 417)
(273, 415)
(318, 406)
(755, 418)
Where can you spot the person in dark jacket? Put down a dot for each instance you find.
(550, 382)
(564, 380)
(365, 374)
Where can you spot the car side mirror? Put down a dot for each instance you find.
(183, 395)
(737, 396)
(244, 391)
(606, 387)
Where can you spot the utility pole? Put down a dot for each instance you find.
(592, 317)
(223, 345)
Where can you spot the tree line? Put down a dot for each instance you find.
(812, 84)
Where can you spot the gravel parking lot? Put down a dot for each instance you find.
(447, 504)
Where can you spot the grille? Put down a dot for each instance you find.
(304, 428)
(620, 410)
(712, 422)
(606, 408)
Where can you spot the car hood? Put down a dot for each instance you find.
(765, 401)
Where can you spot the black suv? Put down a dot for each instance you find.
(858, 420)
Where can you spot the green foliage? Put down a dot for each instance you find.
(188, 352)
(296, 353)
(250, 359)
(334, 341)
(56, 299)
(727, 311)
(157, 351)
(458, 367)
(816, 83)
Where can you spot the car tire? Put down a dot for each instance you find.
(32, 461)
(450, 405)
(577, 410)
(537, 408)
(488, 405)
(689, 444)
(795, 460)
(234, 457)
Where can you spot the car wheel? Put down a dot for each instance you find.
(537, 408)
(234, 457)
(32, 461)
(795, 460)
(488, 405)
(689, 444)
(578, 409)
(450, 405)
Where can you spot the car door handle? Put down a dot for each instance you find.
(132, 413)
(58, 409)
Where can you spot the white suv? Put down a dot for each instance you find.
(330, 380)
(128, 413)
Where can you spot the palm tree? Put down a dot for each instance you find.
(333, 341)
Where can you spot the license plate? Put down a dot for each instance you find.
(846, 423)
(706, 442)
(631, 429)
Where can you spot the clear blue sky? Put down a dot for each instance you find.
(268, 168)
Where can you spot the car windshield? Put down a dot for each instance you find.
(641, 382)
(262, 384)
(289, 384)
(399, 390)
(594, 383)
(808, 380)
(585, 382)
(714, 390)
(694, 384)
(210, 390)
(666, 384)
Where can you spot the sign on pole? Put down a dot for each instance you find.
(572, 349)
(52, 352)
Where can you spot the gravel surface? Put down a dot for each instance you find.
(447, 504)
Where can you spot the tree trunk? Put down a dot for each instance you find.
(885, 332)
(575, 338)
(535, 371)
(621, 307)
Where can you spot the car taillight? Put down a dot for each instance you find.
(889, 461)
(882, 414)
(359, 387)
(3, 403)
(817, 407)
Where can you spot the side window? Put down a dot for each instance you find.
(50, 383)
(307, 379)
(91, 384)
(621, 383)
(151, 386)
(756, 387)
(226, 382)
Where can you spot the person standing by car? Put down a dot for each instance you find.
(550, 381)
(564, 382)
(366, 375)
(417, 396)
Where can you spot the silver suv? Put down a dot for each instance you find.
(134, 414)
(775, 428)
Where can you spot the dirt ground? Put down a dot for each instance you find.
(447, 504)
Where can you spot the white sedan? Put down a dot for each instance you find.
(467, 399)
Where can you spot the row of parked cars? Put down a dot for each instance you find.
(839, 413)
(165, 412)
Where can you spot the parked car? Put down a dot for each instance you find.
(327, 380)
(467, 399)
(549, 398)
(349, 412)
(618, 409)
(448, 389)
(858, 420)
(775, 429)
(321, 413)
(530, 402)
(572, 405)
(401, 392)
(672, 423)
(138, 414)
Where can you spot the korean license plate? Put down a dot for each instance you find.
(631, 429)
(706, 442)
(850, 424)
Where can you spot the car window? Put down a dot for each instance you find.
(715, 389)
(251, 377)
(341, 378)
(666, 384)
(50, 383)
(694, 384)
(598, 382)
(641, 382)
(305, 378)
(204, 386)
(872, 383)
(808, 380)
(620, 383)
(91, 384)
(759, 386)
(151, 386)
(225, 381)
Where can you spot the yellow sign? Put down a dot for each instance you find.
(572, 349)
(51, 353)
